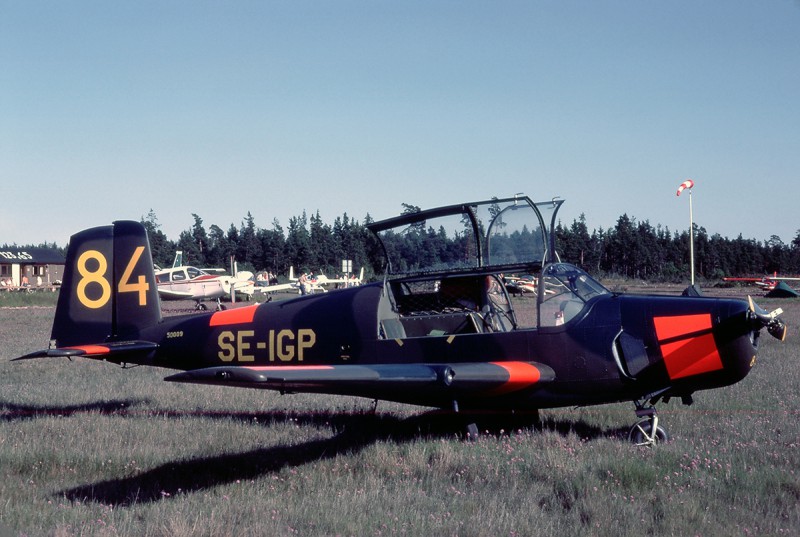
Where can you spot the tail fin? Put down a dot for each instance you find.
(109, 290)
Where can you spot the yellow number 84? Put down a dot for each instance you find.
(97, 276)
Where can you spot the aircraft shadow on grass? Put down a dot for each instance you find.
(10, 412)
(352, 432)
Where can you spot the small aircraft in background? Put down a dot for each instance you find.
(191, 283)
(339, 282)
(320, 282)
(262, 287)
(445, 334)
(767, 283)
(521, 284)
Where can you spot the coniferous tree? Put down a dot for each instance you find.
(219, 251)
(298, 243)
(161, 248)
(248, 251)
(194, 243)
(273, 242)
(232, 238)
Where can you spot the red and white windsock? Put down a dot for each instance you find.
(684, 185)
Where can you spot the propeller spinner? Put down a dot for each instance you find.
(775, 325)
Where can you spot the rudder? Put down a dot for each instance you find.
(109, 290)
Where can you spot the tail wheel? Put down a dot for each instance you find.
(642, 433)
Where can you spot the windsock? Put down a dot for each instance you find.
(684, 185)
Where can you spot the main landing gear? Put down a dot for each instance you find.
(647, 431)
(200, 306)
(493, 421)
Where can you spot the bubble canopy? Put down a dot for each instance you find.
(509, 234)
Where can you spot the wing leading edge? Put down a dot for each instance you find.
(407, 382)
(111, 351)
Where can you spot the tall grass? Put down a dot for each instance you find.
(19, 299)
(88, 448)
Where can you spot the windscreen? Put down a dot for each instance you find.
(431, 245)
(494, 233)
(563, 292)
(515, 235)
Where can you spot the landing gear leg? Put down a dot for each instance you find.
(647, 431)
(472, 427)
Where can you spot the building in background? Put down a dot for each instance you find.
(35, 267)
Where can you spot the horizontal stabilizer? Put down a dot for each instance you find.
(113, 351)
(782, 290)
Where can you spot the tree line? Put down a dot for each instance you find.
(634, 249)
(308, 244)
(631, 249)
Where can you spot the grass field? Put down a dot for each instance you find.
(89, 448)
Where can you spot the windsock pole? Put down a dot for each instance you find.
(688, 184)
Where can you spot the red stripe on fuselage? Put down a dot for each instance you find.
(234, 316)
(205, 277)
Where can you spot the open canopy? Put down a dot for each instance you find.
(510, 233)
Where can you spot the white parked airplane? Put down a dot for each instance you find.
(191, 283)
(320, 282)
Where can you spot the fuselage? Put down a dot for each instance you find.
(616, 348)
(189, 283)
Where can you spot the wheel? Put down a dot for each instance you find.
(472, 432)
(641, 433)
(200, 306)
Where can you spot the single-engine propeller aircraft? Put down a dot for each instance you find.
(190, 283)
(182, 282)
(767, 283)
(445, 335)
(320, 282)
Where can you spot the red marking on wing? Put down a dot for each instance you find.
(520, 375)
(287, 367)
(689, 355)
(234, 316)
(92, 349)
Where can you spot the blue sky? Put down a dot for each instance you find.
(110, 109)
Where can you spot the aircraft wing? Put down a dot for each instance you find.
(166, 294)
(486, 378)
(273, 288)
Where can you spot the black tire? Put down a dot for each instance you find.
(643, 429)
(472, 432)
